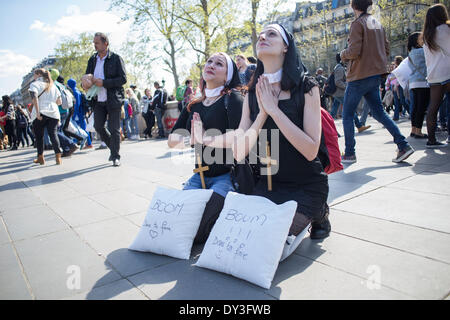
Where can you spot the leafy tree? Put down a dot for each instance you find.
(72, 56)
(160, 14)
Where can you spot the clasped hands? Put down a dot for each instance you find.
(267, 101)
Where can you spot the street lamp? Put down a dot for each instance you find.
(163, 83)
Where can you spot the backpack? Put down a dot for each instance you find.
(329, 153)
(21, 120)
(67, 98)
(180, 93)
(130, 110)
(330, 136)
(330, 85)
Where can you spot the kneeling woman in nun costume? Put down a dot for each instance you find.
(283, 98)
(208, 123)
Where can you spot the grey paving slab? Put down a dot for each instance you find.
(4, 238)
(423, 242)
(54, 192)
(413, 275)
(119, 290)
(48, 263)
(81, 211)
(376, 172)
(440, 183)
(112, 238)
(30, 222)
(405, 206)
(183, 281)
(137, 218)
(441, 169)
(340, 191)
(12, 282)
(121, 202)
(299, 278)
(18, 198)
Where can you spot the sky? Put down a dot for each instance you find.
(30, 30)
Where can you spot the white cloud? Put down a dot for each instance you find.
(14, 66)
(75, 23)
(12, 63)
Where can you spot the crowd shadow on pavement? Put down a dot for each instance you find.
(50, 179)
(192, 282)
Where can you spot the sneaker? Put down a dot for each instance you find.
(116, 163)
(348, 159)
(363, 128)
(435, 145)
(404, 154)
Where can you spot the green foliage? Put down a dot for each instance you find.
(73, 55)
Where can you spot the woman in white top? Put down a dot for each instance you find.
(436, 38)
(46, 98)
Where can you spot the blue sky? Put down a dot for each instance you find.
(30, 30)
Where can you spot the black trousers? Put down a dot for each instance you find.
(52, 128)
(421, 101)
(11, 132)
(149, 118)
(111, 135)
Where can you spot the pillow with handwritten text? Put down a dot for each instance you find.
(172, 222)
(248, 238)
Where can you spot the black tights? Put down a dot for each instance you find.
(436, 94)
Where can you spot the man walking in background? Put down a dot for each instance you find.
(109, 73)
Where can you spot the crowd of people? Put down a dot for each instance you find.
(407, 95)
(239, 100)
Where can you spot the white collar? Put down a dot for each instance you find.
(213, 92)
(274, 77)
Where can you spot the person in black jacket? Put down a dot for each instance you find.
(158, 106)
(109, 73)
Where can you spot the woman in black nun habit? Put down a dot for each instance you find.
(208, 124)
(283, 98)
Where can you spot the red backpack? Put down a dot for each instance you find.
(330, 136)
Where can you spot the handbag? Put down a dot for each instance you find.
(243, 175)
(388, 99)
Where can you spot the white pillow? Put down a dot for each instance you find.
(172, 222)
(248, 238)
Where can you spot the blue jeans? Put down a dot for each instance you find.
(369, 89)
(399, 103)
(365, 113)
(159, 113)
(126, 124)
(335, 107)
(134, 124)
(220, 184)
(336, 103)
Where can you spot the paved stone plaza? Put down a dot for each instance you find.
(390, 239)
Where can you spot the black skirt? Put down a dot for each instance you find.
(310, 198)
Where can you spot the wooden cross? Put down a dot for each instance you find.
(269, 162)
(200, 170)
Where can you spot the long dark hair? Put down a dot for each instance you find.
(413, 41)
(7, 101)
(436, 15)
